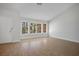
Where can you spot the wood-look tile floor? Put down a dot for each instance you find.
(40, 47)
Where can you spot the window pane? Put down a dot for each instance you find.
(38, 28)
(44, 28)
(32, 28)
(24, 27)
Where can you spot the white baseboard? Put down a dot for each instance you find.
(67, 39)
(9, 42)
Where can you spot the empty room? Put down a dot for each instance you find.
(39, 29)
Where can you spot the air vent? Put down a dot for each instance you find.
(39, 4)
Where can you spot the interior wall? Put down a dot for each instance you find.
(66, 25)
(9, 25)
(5, 35)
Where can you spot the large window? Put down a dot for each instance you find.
(44, 28)
(38, 28)
(32, 28)
(24, 27)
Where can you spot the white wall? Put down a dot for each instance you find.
(66, 25)
(10, 26)
(5, 35)
(8, 19)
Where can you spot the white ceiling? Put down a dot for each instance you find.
(46, 11)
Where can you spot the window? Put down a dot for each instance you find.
(38, 28)
(32, 28)
(24, 27)
(44, 28)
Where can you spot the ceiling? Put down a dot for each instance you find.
(46, 11)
